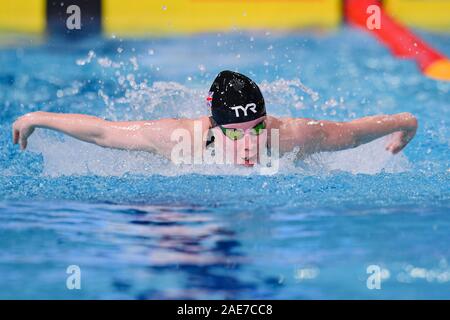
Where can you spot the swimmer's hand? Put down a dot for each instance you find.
(400, 139)
(23, 127)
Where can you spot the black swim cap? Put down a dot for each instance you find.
(235, 98)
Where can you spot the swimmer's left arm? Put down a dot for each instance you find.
(334, 136)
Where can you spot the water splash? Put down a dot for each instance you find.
(68, 156)
(87, 59)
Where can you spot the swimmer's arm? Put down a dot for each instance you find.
(334, 136)
(156, 136)
(119, 135)
(151, 136)
(82, 127)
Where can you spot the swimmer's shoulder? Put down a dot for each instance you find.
(288, 124)
(202, 122)
(294, 132)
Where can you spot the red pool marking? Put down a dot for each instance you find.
(399, 39)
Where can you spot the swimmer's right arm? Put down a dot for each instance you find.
(152, 136)
(82, 127)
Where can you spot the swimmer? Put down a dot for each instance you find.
(238, 114)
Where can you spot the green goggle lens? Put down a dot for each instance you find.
(233, 134)
(236, 134)
(258, 129)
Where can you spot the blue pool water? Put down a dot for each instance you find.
(141, 228)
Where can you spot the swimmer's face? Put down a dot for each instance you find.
(243, 142)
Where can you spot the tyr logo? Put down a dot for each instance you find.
(250, 106)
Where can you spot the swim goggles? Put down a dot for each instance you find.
(237, 134)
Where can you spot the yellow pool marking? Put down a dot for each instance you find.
(427, 14)
(23, 16)
(159, 17)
